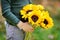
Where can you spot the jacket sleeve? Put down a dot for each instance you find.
(6, 12)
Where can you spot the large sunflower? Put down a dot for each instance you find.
(47, 22)
(28, 8)
(34, 17)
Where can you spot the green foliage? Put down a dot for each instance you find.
(2, 32)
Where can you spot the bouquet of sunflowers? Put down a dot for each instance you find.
(37, 16)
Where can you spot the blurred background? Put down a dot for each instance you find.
(53, 6)
(2, 27)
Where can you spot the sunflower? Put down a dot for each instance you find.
(26, 9)
(40, 7)
(44, 13)
(30, 7)
(47, 22)
(34, 17)
(24, 14)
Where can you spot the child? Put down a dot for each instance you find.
(15, 27)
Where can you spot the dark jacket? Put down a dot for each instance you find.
(11, 8)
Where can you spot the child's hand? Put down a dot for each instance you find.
(25, 26)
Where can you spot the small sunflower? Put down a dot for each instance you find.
(40, 7)
(47, 22)
(30, 7)
(34, 17)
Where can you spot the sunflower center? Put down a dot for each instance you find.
(28, 11)
(34, 18)
(45, 22)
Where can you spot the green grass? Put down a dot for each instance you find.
(2, 32)
(2, 36)
(41, 34)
